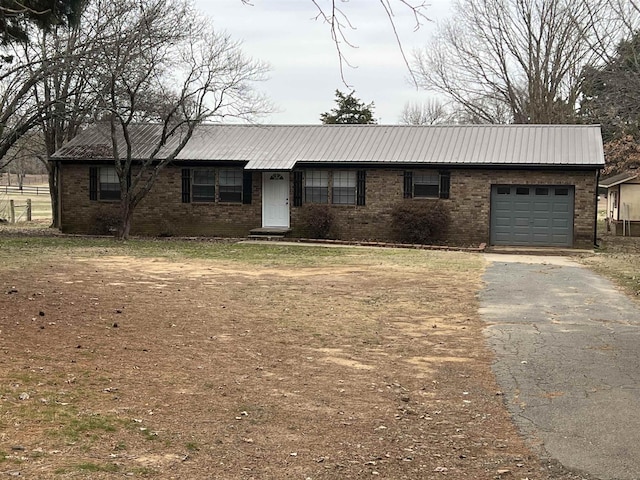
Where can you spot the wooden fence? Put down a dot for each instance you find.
(25, 190)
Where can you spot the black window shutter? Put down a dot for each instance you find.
(186, 185)
(362, 187)
(93, 183)
(297, 188)
(408, 184)
(445, 184)
(247, 187)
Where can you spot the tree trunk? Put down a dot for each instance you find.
(52, 171)
(126, 215)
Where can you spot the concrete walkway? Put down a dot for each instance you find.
(567, 346)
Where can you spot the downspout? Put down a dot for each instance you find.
(595, 218)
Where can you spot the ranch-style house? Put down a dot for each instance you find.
(532, 185)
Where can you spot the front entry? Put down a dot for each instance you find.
(275, 199)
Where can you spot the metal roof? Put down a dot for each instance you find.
(614, 180)
(281, 147)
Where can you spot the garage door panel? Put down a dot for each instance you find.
(560, 208)
(539, 206)
(521, 206)
(558, 223)
(542, 223)
(532, 215)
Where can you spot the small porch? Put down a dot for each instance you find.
(269, 233)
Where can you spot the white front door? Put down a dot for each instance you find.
(275, 199)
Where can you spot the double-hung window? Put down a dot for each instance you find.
(104, 184)
(203, 186)
(344, 188)
(338, 187)
(211, 185)
(109, 184)
(427, 184)
(230, 185)
(316, 186)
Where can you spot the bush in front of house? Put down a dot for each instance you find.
(104, 223)
(420, 222)
(317, 221)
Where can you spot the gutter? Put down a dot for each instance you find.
(595, 218)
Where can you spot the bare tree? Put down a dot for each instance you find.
(431, 112)
(526, 55)
(62, 97)
(193, 73)
(336, 16)
(24, 156)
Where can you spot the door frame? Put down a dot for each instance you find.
(266, 178)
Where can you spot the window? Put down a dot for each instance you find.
(504, 190)
(340, 187)
(344, 188)
(109, 184)
(563, 192)
(231, 186)
(234, 185)
(542, 191)
(522, 191)
(316, 186)
(427, 184)
(203, 186)
(104, 184)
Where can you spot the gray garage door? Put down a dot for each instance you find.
(540, 215)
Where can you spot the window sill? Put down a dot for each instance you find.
(216, 203)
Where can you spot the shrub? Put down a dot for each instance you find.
(104, 223)
(419, 221)
(317, 221)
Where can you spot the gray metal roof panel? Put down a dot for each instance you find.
(614, 180)
(273, 147)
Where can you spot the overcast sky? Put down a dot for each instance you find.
(304, 65)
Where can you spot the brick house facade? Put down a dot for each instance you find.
(206, 197)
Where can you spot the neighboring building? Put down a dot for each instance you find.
(503, 184)
(623, 203)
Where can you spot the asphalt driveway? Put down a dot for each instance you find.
(567, 346)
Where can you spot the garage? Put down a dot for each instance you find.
(536, 215)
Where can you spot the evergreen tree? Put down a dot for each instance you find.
(16, 16)
(349, 110)
(611, 92)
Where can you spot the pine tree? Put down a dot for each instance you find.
(349, 110)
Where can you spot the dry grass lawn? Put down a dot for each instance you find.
(220, 361)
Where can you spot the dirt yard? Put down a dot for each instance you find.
(264, 363)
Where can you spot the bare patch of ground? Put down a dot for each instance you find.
(358, 366)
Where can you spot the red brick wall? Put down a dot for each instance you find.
(163, 213)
